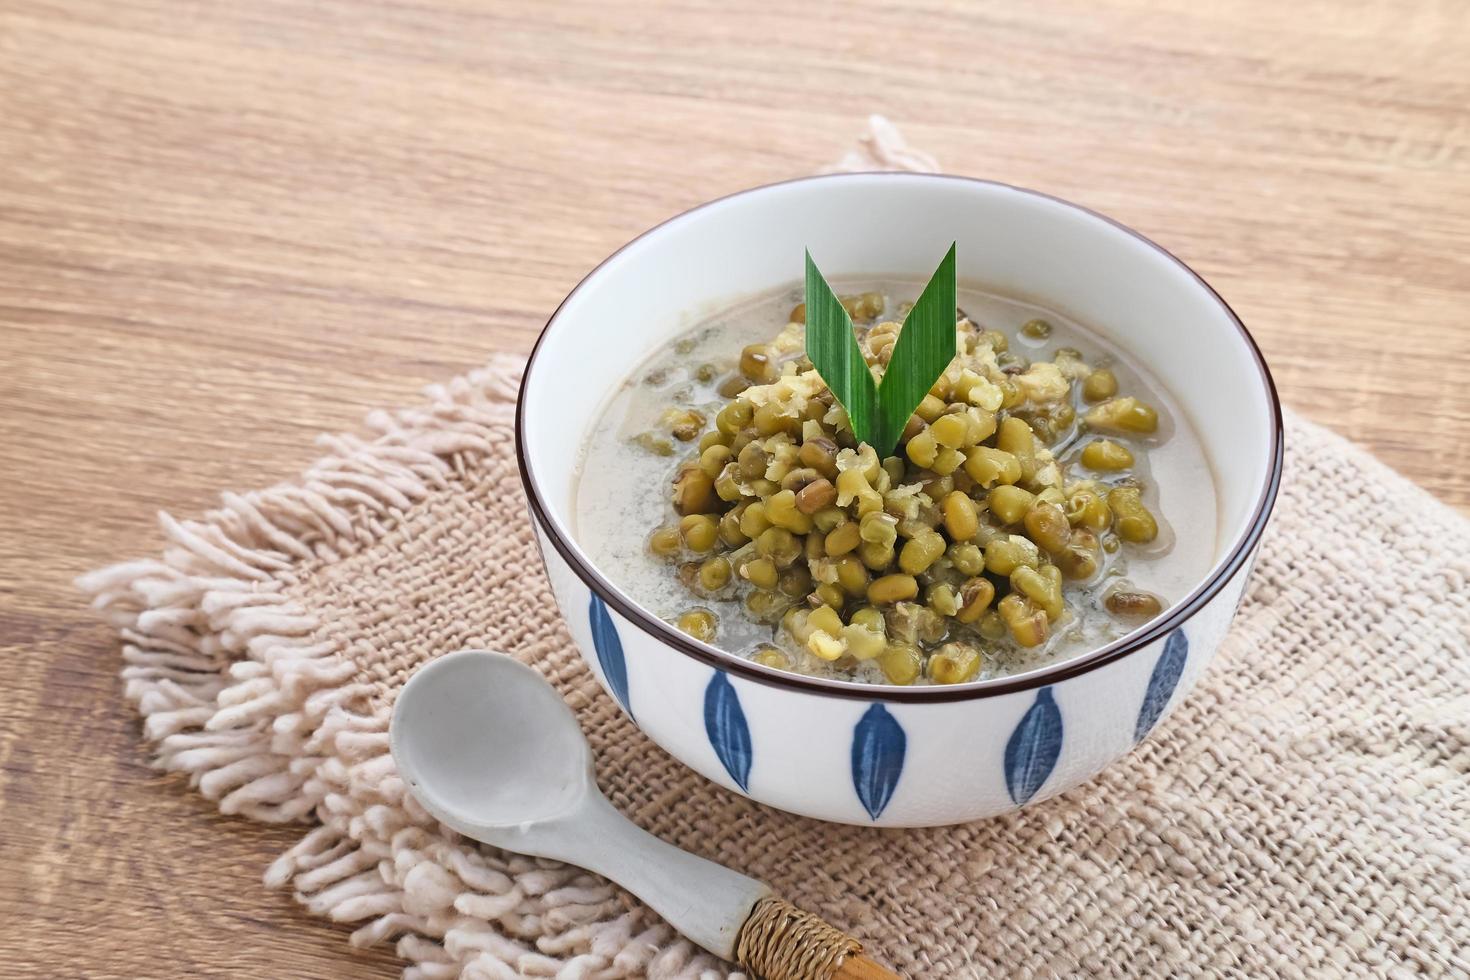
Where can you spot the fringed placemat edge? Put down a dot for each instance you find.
(239, 691)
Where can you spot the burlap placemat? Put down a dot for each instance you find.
(1303, 812)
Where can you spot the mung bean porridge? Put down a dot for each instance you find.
(1047, 498)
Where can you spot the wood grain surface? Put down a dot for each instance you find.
(227, 226)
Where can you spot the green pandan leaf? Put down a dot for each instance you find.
(835, 353)
(925, 346)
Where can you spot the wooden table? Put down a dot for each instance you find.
(225, 227)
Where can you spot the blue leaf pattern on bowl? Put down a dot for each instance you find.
(609, 651)
(1161, 683)
(1033, 748)
(878, 747)
(724, 721)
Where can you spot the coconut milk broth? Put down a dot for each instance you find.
(622, 489)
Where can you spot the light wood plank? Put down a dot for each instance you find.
(226, 227)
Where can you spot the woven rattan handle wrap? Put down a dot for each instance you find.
(781, 942)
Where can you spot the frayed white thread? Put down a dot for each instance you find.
(883, 147)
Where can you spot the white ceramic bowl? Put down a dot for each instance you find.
(859, 753)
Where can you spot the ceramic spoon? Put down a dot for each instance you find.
(492, 751)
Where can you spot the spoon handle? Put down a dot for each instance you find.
(862, 968)
(782, 942)
(706, 902)
(728, 913)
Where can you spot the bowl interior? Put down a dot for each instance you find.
(1010, 241)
